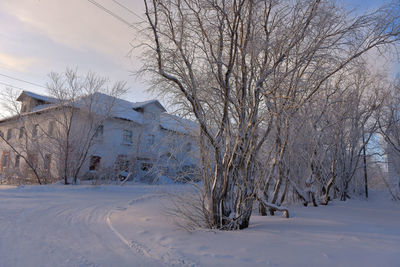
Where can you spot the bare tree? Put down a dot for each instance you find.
(84, 104)
(20, 140)
(244, 68)
(64, 131)
(389, 128)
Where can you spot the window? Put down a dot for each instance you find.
(21, 132)
(188, 147)
(150, 139)
(51, 128)
(47, 162)
(122, 163)
(17, 161)
(99, 131)
(94, 163)
(127, 137)
(32, 159)
(35, 130)
(9, 134)
(146, 166)
(1, 134)
(4, 161)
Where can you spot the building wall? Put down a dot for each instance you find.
(31, 139)
(149, 146)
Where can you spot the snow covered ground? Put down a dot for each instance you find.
(127, 226)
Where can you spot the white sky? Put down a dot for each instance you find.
(40, 36)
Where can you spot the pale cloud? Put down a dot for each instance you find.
(16, 63)
(78, 24)
(40, 36)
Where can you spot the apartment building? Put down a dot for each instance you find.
(96, 135)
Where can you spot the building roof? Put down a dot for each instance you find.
(103, 104)
(100, 103)
(111, 106)
(177, 124)
(47, 99)
(136, 105)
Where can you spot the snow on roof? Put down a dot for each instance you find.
(177, 124)
(145, 103)
(37, 96)
(99, 103)
(111, 106)
(116, 107)
(35, 110)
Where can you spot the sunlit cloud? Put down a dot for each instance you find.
(76, 24)
(42, 36)
(16, 63)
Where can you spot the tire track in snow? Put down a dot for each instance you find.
(139, 248)
(131, 244)
(169, 257)
(68, 225)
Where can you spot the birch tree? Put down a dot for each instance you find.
(21, 139)
(389, 128)
(243, 69)
(337, 134)
(83, 105)
(64, 132)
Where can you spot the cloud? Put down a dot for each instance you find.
(50, 35)
(78, 24)
(16, 63)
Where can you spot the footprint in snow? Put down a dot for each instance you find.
(140, 249)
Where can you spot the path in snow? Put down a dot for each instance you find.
(160, 226)
(65, 226)
(351, 233)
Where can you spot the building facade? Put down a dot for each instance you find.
(94, 136)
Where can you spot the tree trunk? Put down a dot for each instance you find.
(271, 206)
(365, 169)
(227, 216)
(262, 210)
